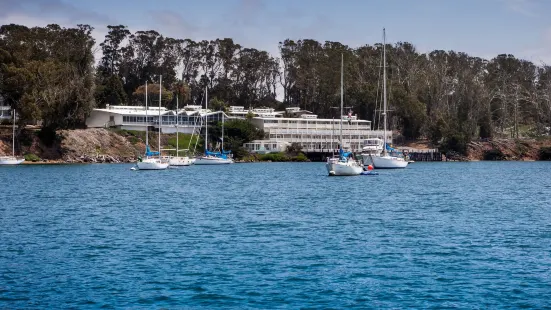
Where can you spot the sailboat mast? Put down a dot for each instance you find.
(13, 136)
(160, 120)
(222, 131)
(206, 121)
(146, 119)
(177, 118)
(332, 133)
(342, 98)
(384, 91)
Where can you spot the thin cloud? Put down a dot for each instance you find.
(522, 7)
(58, 9)
(174, 25)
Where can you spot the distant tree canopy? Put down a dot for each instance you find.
(47, 73)
(449, 97)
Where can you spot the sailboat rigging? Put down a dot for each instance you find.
(11, 160)
(213, 158)
(150, 162)
(385, 160)
(344, 164)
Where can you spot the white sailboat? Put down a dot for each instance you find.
(11, 160)
(213, 158)
(371, 147)
(385, 160)
(343, 165)
(150, 162)
(178, 160)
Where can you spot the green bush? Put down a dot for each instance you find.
(301, 157)
(274, 157)
(32, 157)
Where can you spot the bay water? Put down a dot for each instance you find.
(276, 236)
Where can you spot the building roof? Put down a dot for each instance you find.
(233, 111)
(312, 119)
(135, 110)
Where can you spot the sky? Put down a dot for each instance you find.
(483, 28)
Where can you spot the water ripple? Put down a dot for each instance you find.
(276, 236)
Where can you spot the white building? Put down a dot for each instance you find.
(5, 111)
(313, 134)
(310, 132)
(241, 113)
(134, 118)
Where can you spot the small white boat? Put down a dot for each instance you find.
(371, 147)
(384, 160)
(343, 167)
(213, 160)
(152, 164)
(388, 162)
(180, 161)
(343, 164)
(11, 160)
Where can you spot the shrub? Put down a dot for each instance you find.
(32, 157)
(301, 157)
(275, 157)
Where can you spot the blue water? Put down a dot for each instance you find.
(276, 236)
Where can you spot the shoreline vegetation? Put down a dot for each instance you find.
(467, 107)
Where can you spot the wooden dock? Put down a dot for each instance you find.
(425, 156)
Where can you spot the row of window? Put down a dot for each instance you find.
(305, 121)
(256, 147)
(319, 146)
(166, 119)
(353, 137)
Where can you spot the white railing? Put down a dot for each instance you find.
(345, 133)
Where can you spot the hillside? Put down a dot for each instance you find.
(507, 149)
(77, 146)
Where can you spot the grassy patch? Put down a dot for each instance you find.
(134, 136)
(184, 141)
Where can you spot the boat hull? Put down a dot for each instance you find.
(388, 162)
(10, 161)
(342, 169)
(180, 161)
(366, 159)
(149, 164)
(212, 161)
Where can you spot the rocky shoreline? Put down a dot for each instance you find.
(98, 145)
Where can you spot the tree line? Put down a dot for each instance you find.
(48, 74)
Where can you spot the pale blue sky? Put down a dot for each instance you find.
(482, 28)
